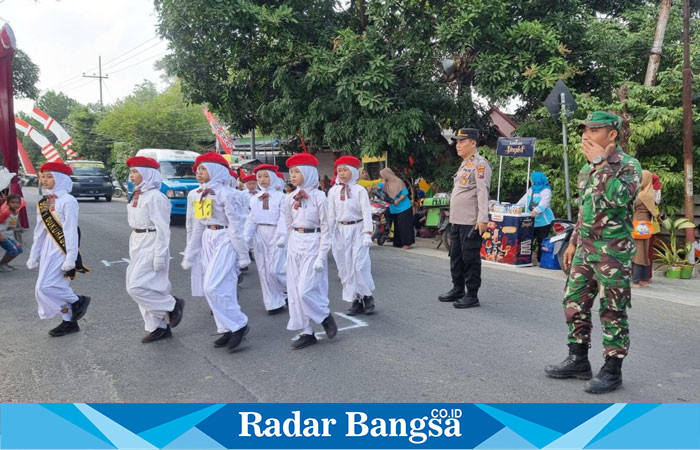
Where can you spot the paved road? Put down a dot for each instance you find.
(413, 349)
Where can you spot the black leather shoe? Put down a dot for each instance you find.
(64, 328)
(356, 308)
(368, 300)
(330, 326)
(237, 337)
(466, 302)
(608, 379)
(176, 313)
(223, 340)
(304, 341)
(272, 312)
(452, 295)
(80, 307)
(576, 365)
(159, 333)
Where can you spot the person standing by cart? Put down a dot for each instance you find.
(536, 202)
(469, 218)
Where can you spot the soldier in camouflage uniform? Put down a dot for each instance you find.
(600, 255)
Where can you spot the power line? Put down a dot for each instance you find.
(130, 50)
(118, 63)
(142, 61)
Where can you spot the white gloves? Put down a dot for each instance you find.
(318, 265)
(158, 264)
(186, 264)
(68, 266)
(32, 263)
(366, 240)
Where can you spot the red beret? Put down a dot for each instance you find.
(210, 157)
(280, 175)
(270, 167)
(232, 173)
(56, 167)
(142, 161)
(348, 161)
(247, 178)
(302, 159)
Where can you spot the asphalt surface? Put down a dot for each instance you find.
(414, 349)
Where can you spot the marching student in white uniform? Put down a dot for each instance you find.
(215, 248)
(306, 216)
(250, 187)
(350, 219)
(147, 280)
(56, 250)
(266, 222)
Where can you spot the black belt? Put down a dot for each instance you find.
(215, 227)
(138, 230)
(267, 224)
(350, 222)
(308, 230)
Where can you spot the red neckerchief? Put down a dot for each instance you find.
(205, 192)
(51, 198)
(265, 199)
(135, 198)
(299, 197)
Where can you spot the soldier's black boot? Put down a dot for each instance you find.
(452, 295)
(576, 365)
(608, 379)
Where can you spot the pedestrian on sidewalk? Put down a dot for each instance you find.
(147, 275)
(536, 201)
(469, 216)
(9, 222)
(215, 248)
(350, 218)
(645, 212)
(400, 209)
(306, 215)
(55, 250)
(266, 228)
(600, 254)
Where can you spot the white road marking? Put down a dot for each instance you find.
(357, 323)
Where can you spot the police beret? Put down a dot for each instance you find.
(56, 167)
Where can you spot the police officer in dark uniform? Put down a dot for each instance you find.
(468, 219)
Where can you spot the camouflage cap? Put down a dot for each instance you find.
(599, 119)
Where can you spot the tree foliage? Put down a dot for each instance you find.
(25, 76)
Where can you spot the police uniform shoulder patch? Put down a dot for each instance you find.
(481, 171)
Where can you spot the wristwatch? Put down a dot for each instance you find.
(599, 159)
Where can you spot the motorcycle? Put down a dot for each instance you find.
(563, 229)
(379, 205)
(118, 190)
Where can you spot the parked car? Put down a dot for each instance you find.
(90, 179)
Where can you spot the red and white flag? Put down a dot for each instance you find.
(47, 149)
(219, 132)
(24, 159)
(56, 128)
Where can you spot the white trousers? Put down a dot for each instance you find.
(149, 289)
(306, 288)
(219, 262)
(53, 292)
(352, 259)
(270, 260)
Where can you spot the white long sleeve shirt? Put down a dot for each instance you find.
(312, 214)
(271, 216)
(354, 208)
(152, 212)
(66, 211)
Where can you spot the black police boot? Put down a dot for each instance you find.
(452, 295)
(468, 301)
(356, 308)
(608, 379)
(368, 301)
(576, 365)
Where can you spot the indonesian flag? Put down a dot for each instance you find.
(56, 128)
(24, 159)
(219, 132)
(47, 149)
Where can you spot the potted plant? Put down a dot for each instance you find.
(669, 255)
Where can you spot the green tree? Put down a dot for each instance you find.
(81, 123)
(56, 104)
(25, 76)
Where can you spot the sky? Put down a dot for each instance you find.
(65, 37)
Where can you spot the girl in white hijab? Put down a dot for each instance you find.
(57, 265)
(350, 218)
(215, 248)
(147, 280)
(307, 252)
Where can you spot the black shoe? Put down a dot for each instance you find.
(237, 337)
(244, 269)
(368, 300)
(466, 302)
(64, 328)
(223, 340)
(176, 313)
(330, 326)
(159, 333)
(452, 295)
(608, 379)
(356, 308)
(576, 365)
(80, 307)
(272, 312)
(304, 341)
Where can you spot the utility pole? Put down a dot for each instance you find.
(688, 123)
(655, 56)
(100, 77)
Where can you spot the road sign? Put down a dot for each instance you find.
(553, 103)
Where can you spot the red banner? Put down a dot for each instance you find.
(219, 132)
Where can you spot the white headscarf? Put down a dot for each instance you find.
(353, 179)
(280, 183)
(310, 174)
(273, 180)
(218, 175)
(151, 178)
(63, 184)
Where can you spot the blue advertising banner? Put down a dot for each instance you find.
(344, 426)
(516, 147)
